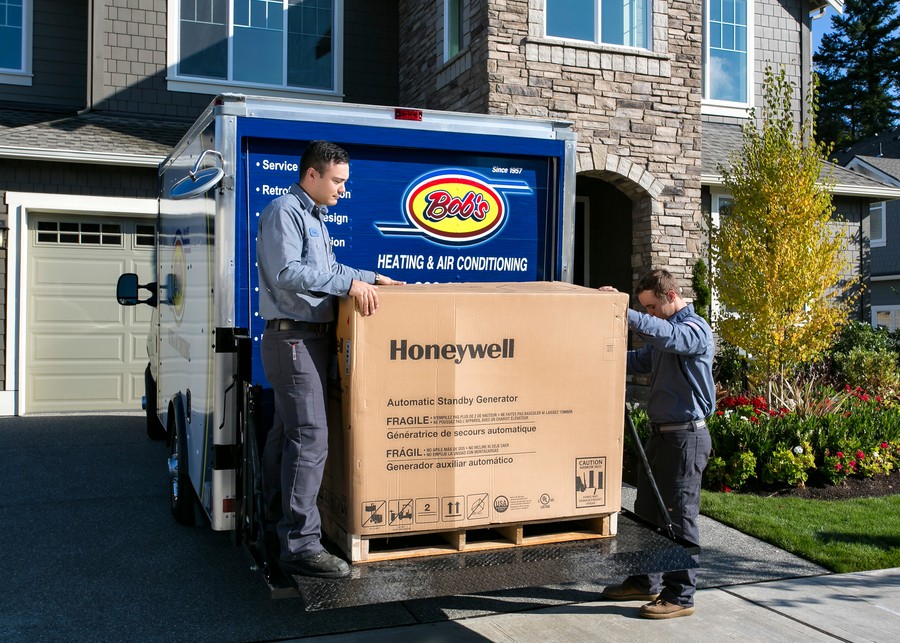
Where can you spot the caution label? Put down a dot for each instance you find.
(590, 482)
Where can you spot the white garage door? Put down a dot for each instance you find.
(83, 351)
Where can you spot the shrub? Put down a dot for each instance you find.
(807, 396)
(790, 465)
(841, 434)
(733, 473)
(730, 367)
(876, 462)
(869, 369)
(701, 288)
(864, 336)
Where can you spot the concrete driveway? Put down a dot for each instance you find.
(93, 554)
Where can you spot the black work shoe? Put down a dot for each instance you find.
(321, 564)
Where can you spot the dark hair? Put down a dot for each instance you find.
(660, 281)
(320, 154)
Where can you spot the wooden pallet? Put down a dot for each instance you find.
(361, 549)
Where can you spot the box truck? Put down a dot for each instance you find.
(433, 197)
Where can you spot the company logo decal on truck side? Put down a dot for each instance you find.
(179, 271)
(454, 207)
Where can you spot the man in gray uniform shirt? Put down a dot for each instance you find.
(298, 280)
(678, 352)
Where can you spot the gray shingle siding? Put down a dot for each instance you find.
(17, 175)
(59, 60)
(886, 258)
(371, 46)
(885, 293)
(134, 58)
(777, 41)
(131, 47)
(852, 217)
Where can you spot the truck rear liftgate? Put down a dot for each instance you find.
(637, 549)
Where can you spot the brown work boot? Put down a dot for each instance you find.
(623, 592)
(660, 608)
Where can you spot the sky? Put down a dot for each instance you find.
(821, 26)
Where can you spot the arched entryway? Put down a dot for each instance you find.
(604, 233)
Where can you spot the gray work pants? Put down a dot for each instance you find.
(677, 459)
(296, 365)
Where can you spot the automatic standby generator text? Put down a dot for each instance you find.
(402, 350)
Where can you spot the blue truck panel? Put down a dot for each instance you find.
(420, 206)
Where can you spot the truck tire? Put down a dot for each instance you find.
(181, 491)
(155, 430)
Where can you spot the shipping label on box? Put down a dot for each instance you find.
(466, 405)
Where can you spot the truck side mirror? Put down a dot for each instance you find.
(127, 291)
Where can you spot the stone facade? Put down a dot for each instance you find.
(636, 111)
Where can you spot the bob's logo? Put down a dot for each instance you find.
(456, 208)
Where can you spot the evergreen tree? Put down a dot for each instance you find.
(858, 66)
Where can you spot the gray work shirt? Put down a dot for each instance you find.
(298, 273)
(678, 352)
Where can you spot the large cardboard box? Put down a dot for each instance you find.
(472, 405)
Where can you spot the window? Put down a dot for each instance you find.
(886, 317)
(877, 224)
(79, 233)
(728, 54)
(145, 235)
(722, 205)
(453, 28)
(278, 44)
(15, 42)
(611, 22)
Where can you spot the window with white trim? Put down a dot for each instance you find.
(728, 54)
(611, 22)
(144, 235)
(15, 42)
(282, 45)
(886, 317)
(81, 233)
(721, 207)
(877, 224)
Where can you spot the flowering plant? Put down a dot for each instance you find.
(877, 461)
(837, 466)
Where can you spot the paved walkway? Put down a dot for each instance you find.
(92, 554)
(749, 591)
(836, 607)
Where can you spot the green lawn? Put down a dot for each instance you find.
(841, 535)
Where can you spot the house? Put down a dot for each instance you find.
(878, 157)
(93, 95)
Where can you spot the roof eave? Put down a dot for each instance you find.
(819, 5)
(81, 156)
(886, 193)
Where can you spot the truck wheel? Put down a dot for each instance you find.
(181, 493)
(155, 430)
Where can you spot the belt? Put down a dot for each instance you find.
(668, 427)
(291, 324)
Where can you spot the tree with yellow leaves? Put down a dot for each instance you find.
(781, 272)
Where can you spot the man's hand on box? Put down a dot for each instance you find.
(387, 281)
(365, 296)
(607, 289)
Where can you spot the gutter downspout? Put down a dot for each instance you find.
(94, 61)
